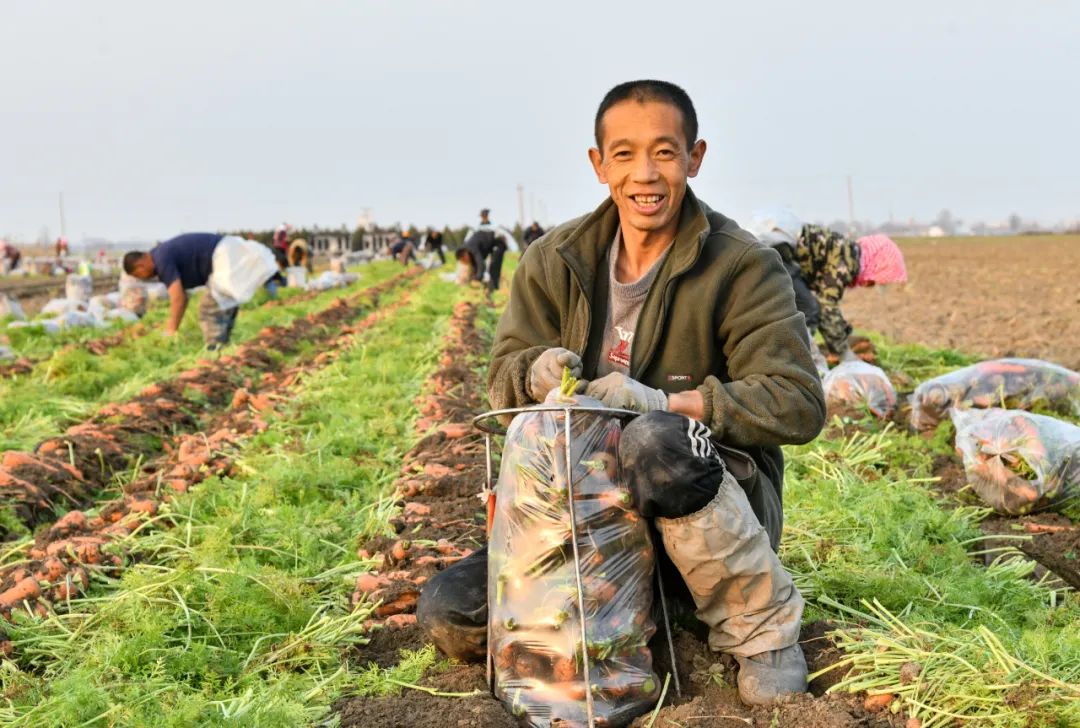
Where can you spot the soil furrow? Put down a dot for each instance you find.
(64, 472)
(63, 555)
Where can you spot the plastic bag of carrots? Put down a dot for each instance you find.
(534, 614)
(1009, 383)
(1016, 461)
(855, 387)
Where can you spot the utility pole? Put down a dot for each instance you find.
(851, 204)
(521, 206)
(63, 226)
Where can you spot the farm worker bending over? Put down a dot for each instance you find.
(231, 268)
(670, 309)
(403, 249)
(299, 254)
(823, 264)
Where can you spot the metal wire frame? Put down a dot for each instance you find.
(488, 423)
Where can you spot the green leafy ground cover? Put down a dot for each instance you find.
(238, 613)
(69, 385)
(876, 549)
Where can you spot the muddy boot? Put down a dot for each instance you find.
(453, 608)
(741, 590)
(764, 678)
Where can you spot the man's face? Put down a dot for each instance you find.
(645, 162)
(144, 269)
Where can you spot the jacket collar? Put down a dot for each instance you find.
(585, 249)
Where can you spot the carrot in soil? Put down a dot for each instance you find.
(877, 703)
(25, 590)
(403, 603)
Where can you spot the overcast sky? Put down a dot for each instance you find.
(157, 118)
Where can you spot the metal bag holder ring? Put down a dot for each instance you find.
(489, 424)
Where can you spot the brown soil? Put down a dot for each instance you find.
(231, 404)
(415, 709)
(993, 296)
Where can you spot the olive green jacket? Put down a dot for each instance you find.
(720, 317)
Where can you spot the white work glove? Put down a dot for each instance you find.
(621, 392)
(546, 372)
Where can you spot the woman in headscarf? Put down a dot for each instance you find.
(823, 264)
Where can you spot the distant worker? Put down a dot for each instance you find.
(9, 257)
(434, 244)
(299, 255)
(532, 234)
(187, 261)
(403, 249)
(61, 246)
(487, 246)
(281, 244)
(823, 264)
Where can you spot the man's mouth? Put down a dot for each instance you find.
(647, 203)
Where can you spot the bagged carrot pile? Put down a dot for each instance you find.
(1016, 461)
(855, 387)
(1010, 383)
(535, 627)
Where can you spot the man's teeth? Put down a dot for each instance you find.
(647, 199)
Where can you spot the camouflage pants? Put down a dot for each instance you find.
(216, 323)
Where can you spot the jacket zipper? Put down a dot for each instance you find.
(665, 303)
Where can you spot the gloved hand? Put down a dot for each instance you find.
(621, 392)
(546, 372)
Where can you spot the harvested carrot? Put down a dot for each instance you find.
(403, 603)
(1046, 528)
(455, 430)
(24, 590)
(369, 582)
(399, 550)
(400, 621)
(878, 703)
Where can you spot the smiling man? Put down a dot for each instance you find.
(668, 308)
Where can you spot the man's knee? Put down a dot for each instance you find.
(452, 608)
(669, 464)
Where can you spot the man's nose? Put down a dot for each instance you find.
(645, 170)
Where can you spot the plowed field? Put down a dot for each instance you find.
(1013, 296)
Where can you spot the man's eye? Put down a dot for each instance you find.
(665, 154)
(622, 155)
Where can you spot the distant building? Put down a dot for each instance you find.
(330, 242)
(374, 239)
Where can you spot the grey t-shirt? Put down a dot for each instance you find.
(624, 306)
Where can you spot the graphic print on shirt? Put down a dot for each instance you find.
(620, 354)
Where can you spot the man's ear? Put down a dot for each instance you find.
(697, 154)
(597, 161)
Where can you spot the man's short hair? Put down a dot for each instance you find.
(644, 91)
(131, 260)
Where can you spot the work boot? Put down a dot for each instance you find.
(767, 676)
(741, 590)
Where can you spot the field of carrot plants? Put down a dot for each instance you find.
(241, 539)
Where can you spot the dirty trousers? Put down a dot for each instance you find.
(216, 323)
(718, 561)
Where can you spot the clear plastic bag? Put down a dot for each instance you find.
(532, 589)
(855, 386)
(1017, 461)
(79, 287)
(134, 299)
(1011, 383)
(10, 307)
